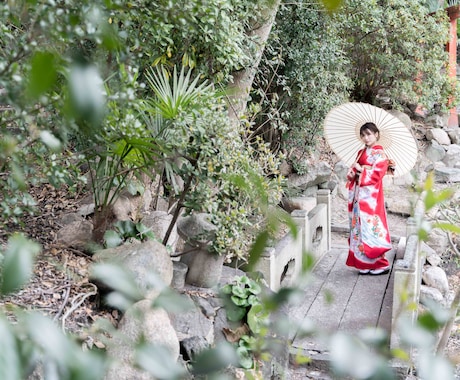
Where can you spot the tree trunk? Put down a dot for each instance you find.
(242, 80)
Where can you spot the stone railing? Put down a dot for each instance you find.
(407, 272)
(282, 263)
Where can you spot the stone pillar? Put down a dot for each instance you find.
(323, 196)
(301, 219)
(204, 268)
(406, 289)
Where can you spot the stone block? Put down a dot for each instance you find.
(283, 259)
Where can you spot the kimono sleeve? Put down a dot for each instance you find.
(374, 171)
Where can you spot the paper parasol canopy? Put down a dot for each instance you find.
(341, 130)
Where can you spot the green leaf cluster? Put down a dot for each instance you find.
(243, 293)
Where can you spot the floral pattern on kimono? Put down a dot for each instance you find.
(369, 238)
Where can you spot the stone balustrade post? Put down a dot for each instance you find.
(323, 196)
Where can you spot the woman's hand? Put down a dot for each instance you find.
(350, 174)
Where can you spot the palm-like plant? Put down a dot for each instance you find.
(171, 118)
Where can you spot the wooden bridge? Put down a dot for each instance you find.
(340, 299)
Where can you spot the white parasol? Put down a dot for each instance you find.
(341, 130)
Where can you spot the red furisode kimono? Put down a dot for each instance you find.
(369, 236)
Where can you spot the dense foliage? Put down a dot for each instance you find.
(397, 51)
(391, 54)
(305, 73)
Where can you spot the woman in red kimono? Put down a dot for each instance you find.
(369, 236)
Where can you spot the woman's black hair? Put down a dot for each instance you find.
(370, 127)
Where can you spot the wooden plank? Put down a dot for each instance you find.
(313, 287)
(365, 304)
(328, 307)
(359, 301)
(338, 282)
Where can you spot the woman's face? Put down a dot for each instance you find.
(369, 138)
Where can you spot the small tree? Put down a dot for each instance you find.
(397, 52)
(302, 76)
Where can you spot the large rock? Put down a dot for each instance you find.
(193, 323)
(130, 207)
(439, 135)
(400, 206)
(452, 156)
(152, 325)
(158, 222)
(431, 256)
(438, 240)
(447, 175)
(298, 203)
(435, 152)
(143, 260)
(437, 121)
(316, 175)
(435, 277)
(428, 295)
(454, 134)
(204, 267)
(76, 234)
(402, 116)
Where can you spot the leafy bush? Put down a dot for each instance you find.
(212, 157)
(397, 51)
(243, 303)
(303, 75)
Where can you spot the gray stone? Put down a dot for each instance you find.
(221, 324)
(341, 169)
(206, 308)
(429, 294)
(435, 152)
(144, 260)
(86, 209)
(298, 203)
(193, 346)
(76, 234)
(438, 240)
(204, 267)
(130, 207)
(439, 135)
(179, 272)
(310, 191)
(316, 174)
(229, 273)
(400, 206)
(447, 175)
(454, 135)
(158, 222)
(402, 116)
(285, 168)
(123, 371)
(70, 218)
(193, 323)
(196, 229)
(435, 277)
(452, 156)
(330, 185)
(431, 256)
(437, 121)
(141, 321)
